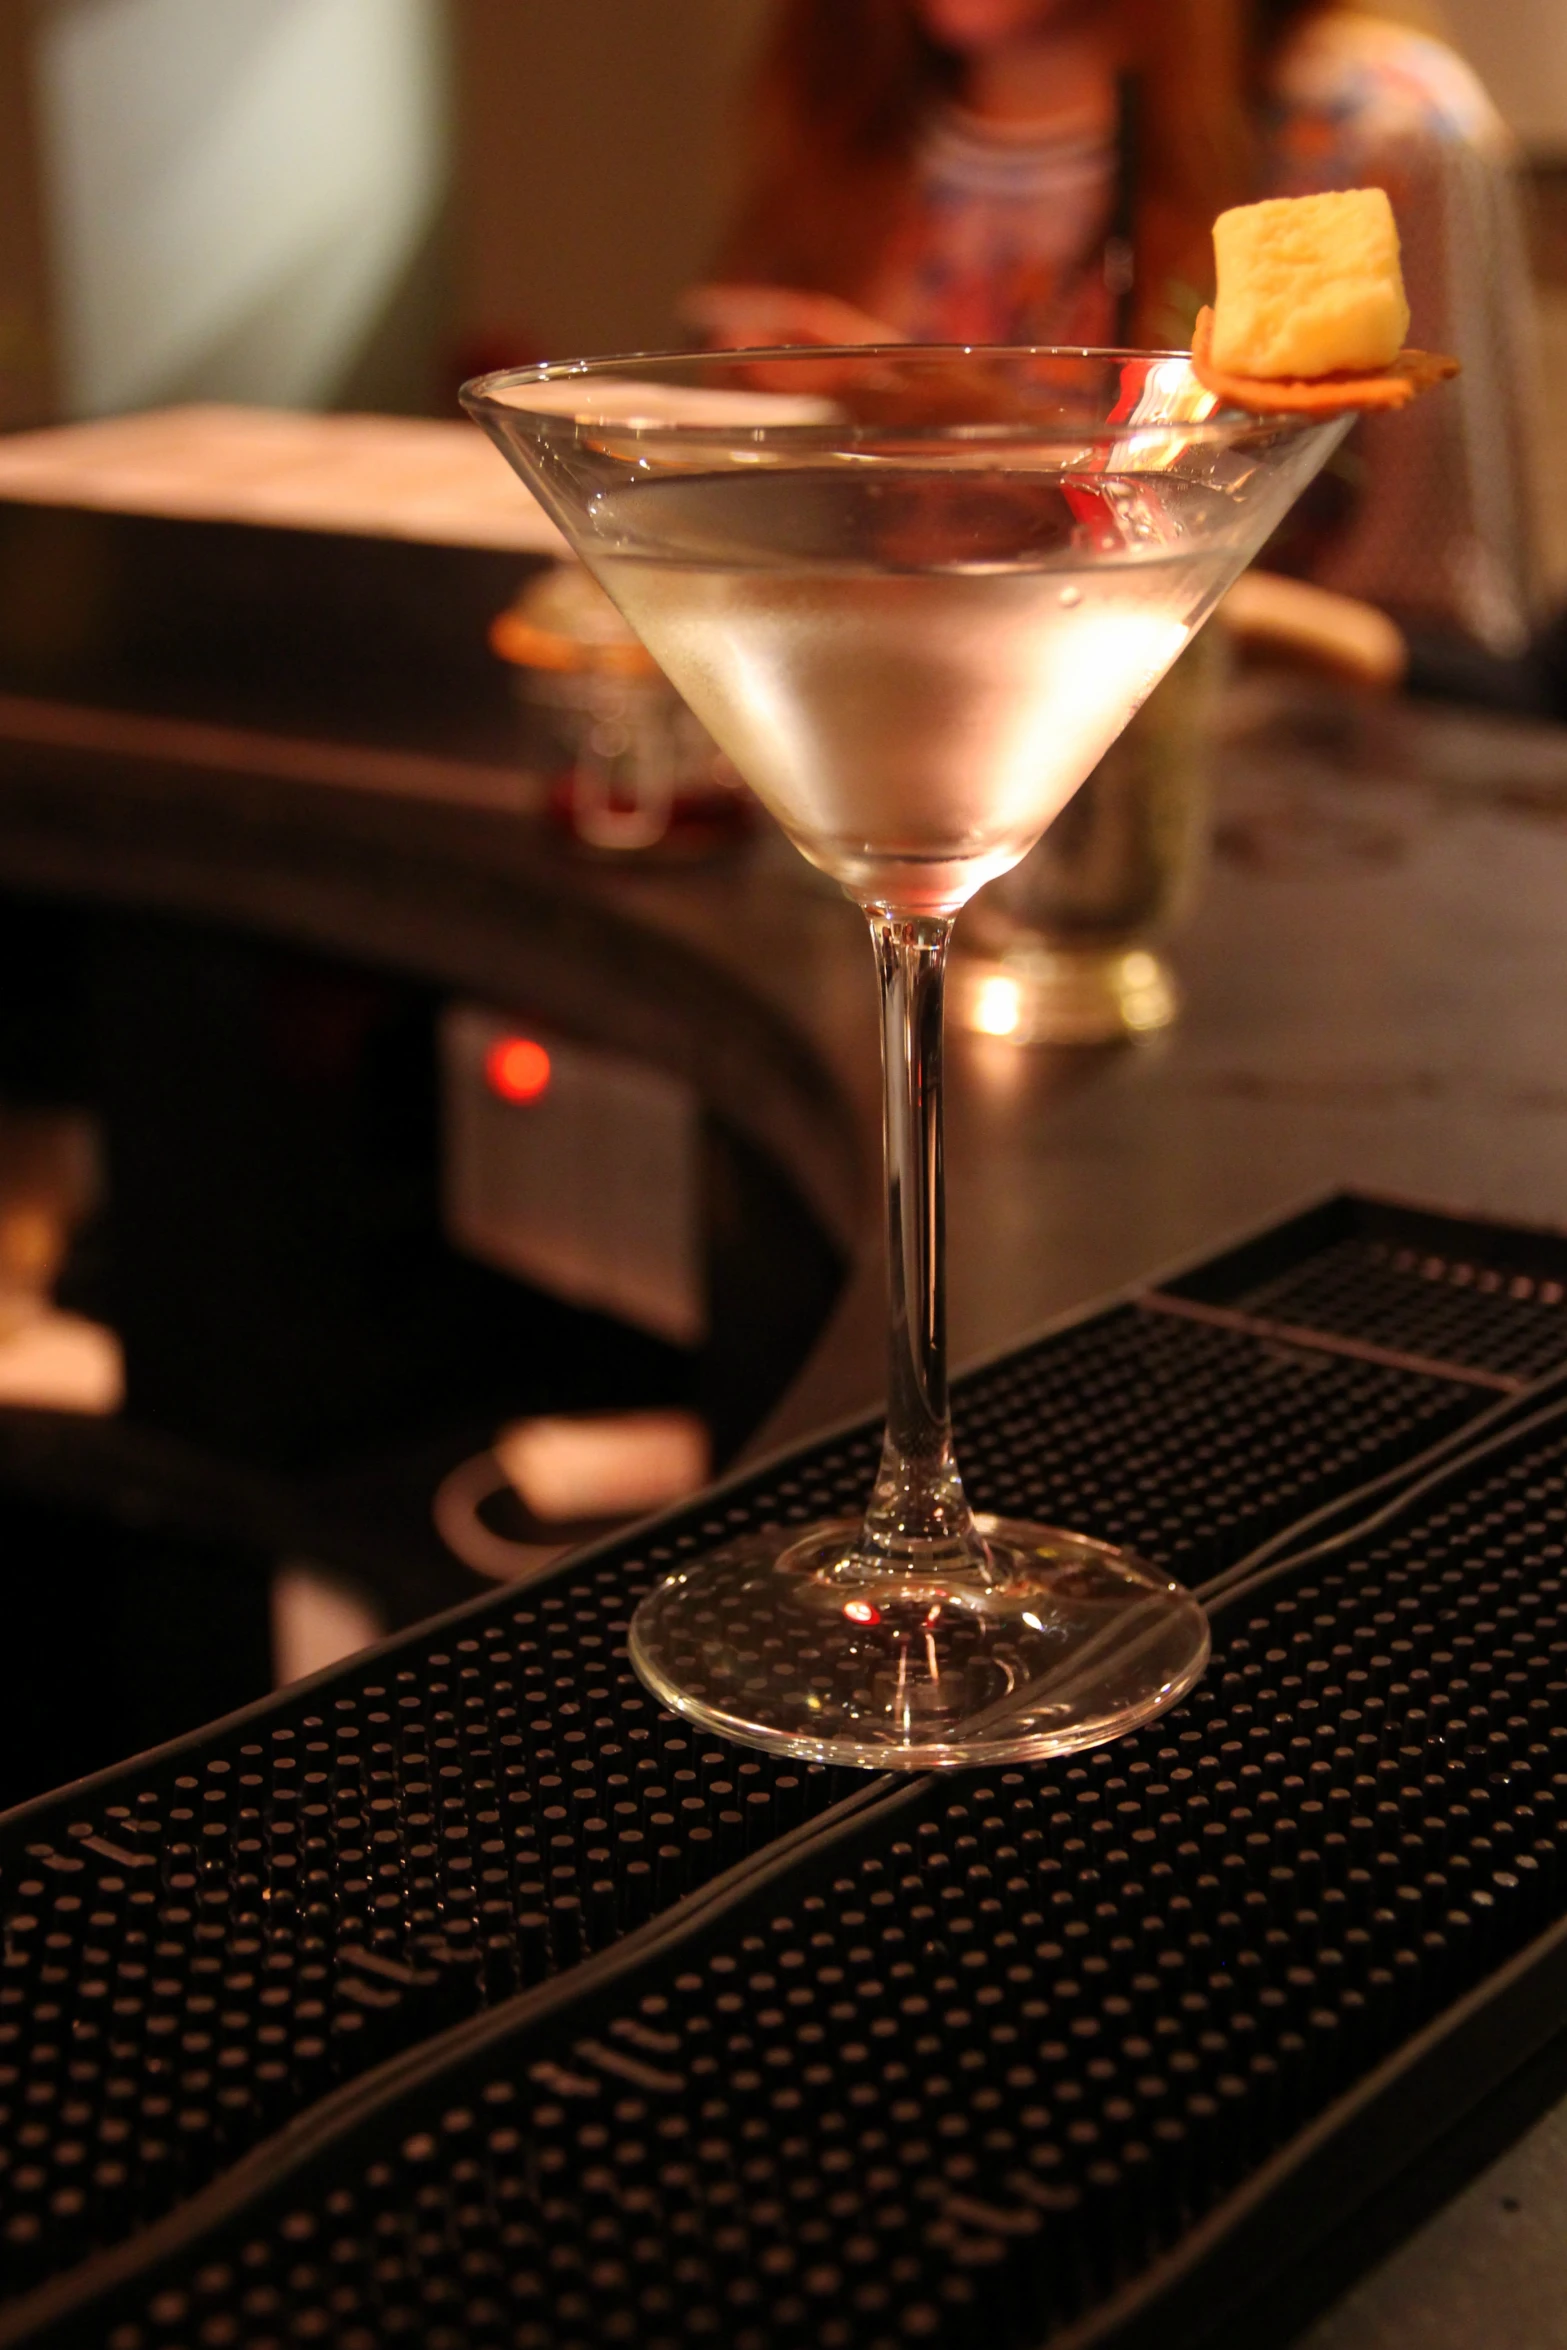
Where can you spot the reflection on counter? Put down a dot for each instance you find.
(50, 1359)
(318, 1618)
(547, 1484)
(345, 1232)
(608, 1463)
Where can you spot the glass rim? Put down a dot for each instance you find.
(482, 397)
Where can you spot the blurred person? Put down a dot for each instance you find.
(1049, 171)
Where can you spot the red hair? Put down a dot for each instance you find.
(845, 86)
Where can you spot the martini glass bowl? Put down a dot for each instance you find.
(914, 593)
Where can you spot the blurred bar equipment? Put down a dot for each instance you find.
(627, 766)
(1067, 948)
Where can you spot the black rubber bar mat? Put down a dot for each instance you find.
(200, 1946)
(1068, 2055)
(1071, 2055)
(1378, 1276)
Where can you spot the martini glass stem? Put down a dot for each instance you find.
(918, 1516)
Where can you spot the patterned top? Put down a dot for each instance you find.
(1005, 238)
(1006, 243)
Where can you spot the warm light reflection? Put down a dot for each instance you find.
(860, 1611)
(998, 1007)
(517, 1068)
(603, 1464)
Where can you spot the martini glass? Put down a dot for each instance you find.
(914, 593)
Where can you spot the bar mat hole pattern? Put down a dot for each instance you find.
(1171, 1438)
(300, 1895)
(958, 2078)
(1422, 1302)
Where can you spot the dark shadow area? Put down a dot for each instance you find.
(117, 1637)
(307, 1352)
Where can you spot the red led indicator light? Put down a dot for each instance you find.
(517, 1068)
(860, 1611)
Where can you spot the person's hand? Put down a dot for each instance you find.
(753, 317)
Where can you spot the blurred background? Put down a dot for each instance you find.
(336, 202)
(229, 1153)
(349, 203)
(325, 1290)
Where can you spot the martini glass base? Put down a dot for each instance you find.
(807, 1647)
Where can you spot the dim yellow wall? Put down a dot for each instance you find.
(592, 153)
(26, 369)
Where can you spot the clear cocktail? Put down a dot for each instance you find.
(913, 716)
(914, 594)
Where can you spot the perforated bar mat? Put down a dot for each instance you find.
(199, 1946)
(979, 2064)
(1363, 1270)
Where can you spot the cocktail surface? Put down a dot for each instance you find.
(914, 669)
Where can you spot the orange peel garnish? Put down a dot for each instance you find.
(1394, 386)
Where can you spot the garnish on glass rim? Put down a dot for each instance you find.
(1394, 386)
(1309, 316)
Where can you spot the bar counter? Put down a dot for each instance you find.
(1373, 977)
(1373, 980)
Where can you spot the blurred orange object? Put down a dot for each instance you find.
(636, 771)
(1315, 628)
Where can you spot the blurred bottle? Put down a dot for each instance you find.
(627, 767)
(1067, 948)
